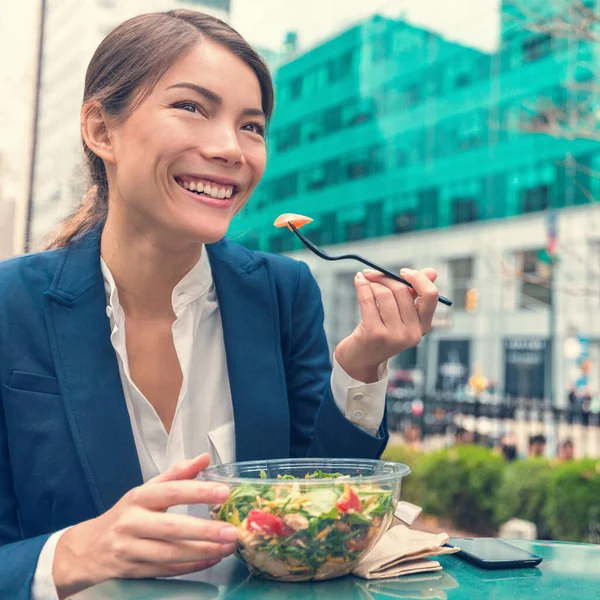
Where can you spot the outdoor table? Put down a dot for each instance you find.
(570, 571)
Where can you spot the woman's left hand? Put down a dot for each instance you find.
(391, 320)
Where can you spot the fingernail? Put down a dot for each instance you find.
(404, 272)
(220, 492)
(360, 276)
(371, 272)
(227, 549)
(229, 534)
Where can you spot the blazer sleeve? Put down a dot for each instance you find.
(18, 556)
(318, 428)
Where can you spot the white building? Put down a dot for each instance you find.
(510, 328)
(73, 29)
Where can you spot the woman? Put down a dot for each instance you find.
(142, 339)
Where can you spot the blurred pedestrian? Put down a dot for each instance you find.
(508, 446)
(463, 436)
(537, 446)
(566, 451)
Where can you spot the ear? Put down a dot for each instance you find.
(96, 131)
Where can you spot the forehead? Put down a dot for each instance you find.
(214, 67)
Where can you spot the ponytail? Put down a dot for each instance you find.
(92, 210)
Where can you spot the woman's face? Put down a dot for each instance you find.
(186, 161)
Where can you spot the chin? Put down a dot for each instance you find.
(206, 235)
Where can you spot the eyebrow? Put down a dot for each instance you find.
(215, 98)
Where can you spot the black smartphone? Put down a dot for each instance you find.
(490, 553)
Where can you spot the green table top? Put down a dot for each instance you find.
(570, 571)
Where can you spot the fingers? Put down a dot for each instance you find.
(153, 571)
(427, 295)
(424, 290)
(162, 495)
(162, 552)
(388, 305)
(187, 469)
(368, 307)
(169, 526)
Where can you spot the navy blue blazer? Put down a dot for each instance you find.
(67, 452)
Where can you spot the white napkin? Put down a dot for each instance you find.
(403, 551)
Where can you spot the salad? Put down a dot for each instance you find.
(295, 532)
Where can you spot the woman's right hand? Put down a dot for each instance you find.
(137, 538)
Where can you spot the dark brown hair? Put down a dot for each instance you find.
(122, 73)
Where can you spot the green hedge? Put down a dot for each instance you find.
(477, 490)
(412, 488)
(573, 503)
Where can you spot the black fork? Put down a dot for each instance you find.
(359, 258)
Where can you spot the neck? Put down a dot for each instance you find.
(145, 265)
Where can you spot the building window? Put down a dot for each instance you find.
(461, 273)
(428, 208)
(365, 163)
(405, 221)
(332, 171)
(328, 228)
(537, 48)
(464, 210)
(355, 231)
(535, 281)
(332, 119)
(287, 138)
(462, 80)
(374, 225)
(340, 67)
(536, 198)
(413, 94)
(285, 187)
(296, 88)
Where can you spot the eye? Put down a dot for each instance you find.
(258, 128)
(191, 107)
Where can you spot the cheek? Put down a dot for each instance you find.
(257, 159)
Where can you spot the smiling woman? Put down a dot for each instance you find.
(142, 344)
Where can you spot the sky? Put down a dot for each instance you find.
(263, 22)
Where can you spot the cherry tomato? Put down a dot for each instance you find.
(349, 501)
(267, 524)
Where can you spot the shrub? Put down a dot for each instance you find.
(460, 484)
(411, 485)
(573, 501)
(524, 492)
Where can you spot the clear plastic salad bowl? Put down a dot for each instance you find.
(307, 519)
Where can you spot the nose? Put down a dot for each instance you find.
(222, 145)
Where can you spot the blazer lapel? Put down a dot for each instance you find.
(88, 374)
(247, 301)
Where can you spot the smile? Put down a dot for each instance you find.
(203, 187)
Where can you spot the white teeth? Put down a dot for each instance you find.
(214, 190)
